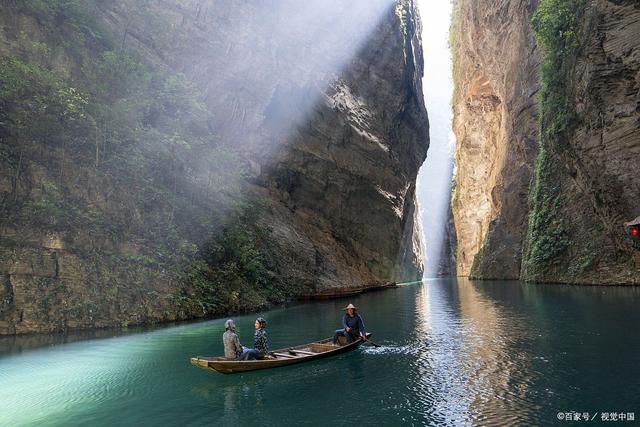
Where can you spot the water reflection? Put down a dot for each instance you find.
(492, 353)
(442, 395)
(453, 353)
(20, 343)
(500, 371)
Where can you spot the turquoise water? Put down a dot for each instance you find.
(453, 353)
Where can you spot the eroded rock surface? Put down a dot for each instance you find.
(594, 179)
(596, 167)
(319, 106)
(496, 79)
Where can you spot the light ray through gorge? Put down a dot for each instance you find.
(307, 117)
(306, 46)
(434, 179)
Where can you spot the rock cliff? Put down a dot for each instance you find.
(187, 158)
(495, 82)
(554, 212)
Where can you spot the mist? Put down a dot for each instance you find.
(435, 177)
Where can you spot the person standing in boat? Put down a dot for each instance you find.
(260, 348)
(352, 326)
(232, 348)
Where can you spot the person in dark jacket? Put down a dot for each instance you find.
(260, 342)
(352, 326)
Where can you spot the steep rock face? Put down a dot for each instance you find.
(295, 170)
(495, 78)
(328, 111)
(590, 173)
(568, 225)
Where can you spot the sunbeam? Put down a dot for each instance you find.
(434, 179)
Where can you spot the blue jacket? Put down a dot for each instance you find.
(355, 323)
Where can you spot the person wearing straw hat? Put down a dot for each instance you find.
(232, 347)
(352, 326)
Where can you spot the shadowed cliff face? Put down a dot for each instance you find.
(566, 226)
(275, 152)
(594, 167)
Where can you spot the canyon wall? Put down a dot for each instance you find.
(569, 78)
(586, 184)
(495, 82)
(186, 158)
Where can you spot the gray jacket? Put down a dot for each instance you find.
(232, 347)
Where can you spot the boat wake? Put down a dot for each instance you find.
(391, 349)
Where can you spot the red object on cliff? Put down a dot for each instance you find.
(634, 232)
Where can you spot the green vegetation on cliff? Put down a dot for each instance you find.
(557, 25)
(238, 259)
(117, 157)
(454, 43)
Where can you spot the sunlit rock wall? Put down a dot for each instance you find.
(585, 186)
(324, 99)
(495, 78)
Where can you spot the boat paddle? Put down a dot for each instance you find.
(371, 342)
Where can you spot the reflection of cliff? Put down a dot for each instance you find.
(471, 361)
(498, 366)
(190, 158)
(566, 226)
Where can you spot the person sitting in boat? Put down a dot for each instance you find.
(260, 348)
(232, 347)
(352, 326)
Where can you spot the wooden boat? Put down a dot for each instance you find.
(282, 357)
(348, 292)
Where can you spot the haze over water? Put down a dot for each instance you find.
(453, 353)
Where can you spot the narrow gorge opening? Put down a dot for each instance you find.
(435, 176)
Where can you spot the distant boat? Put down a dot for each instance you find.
(282, 357)
(346, 292)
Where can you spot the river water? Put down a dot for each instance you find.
(454, 352)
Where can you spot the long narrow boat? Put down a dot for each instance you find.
(282, 357)
(348, 292)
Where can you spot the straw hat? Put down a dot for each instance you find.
(350, 306)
